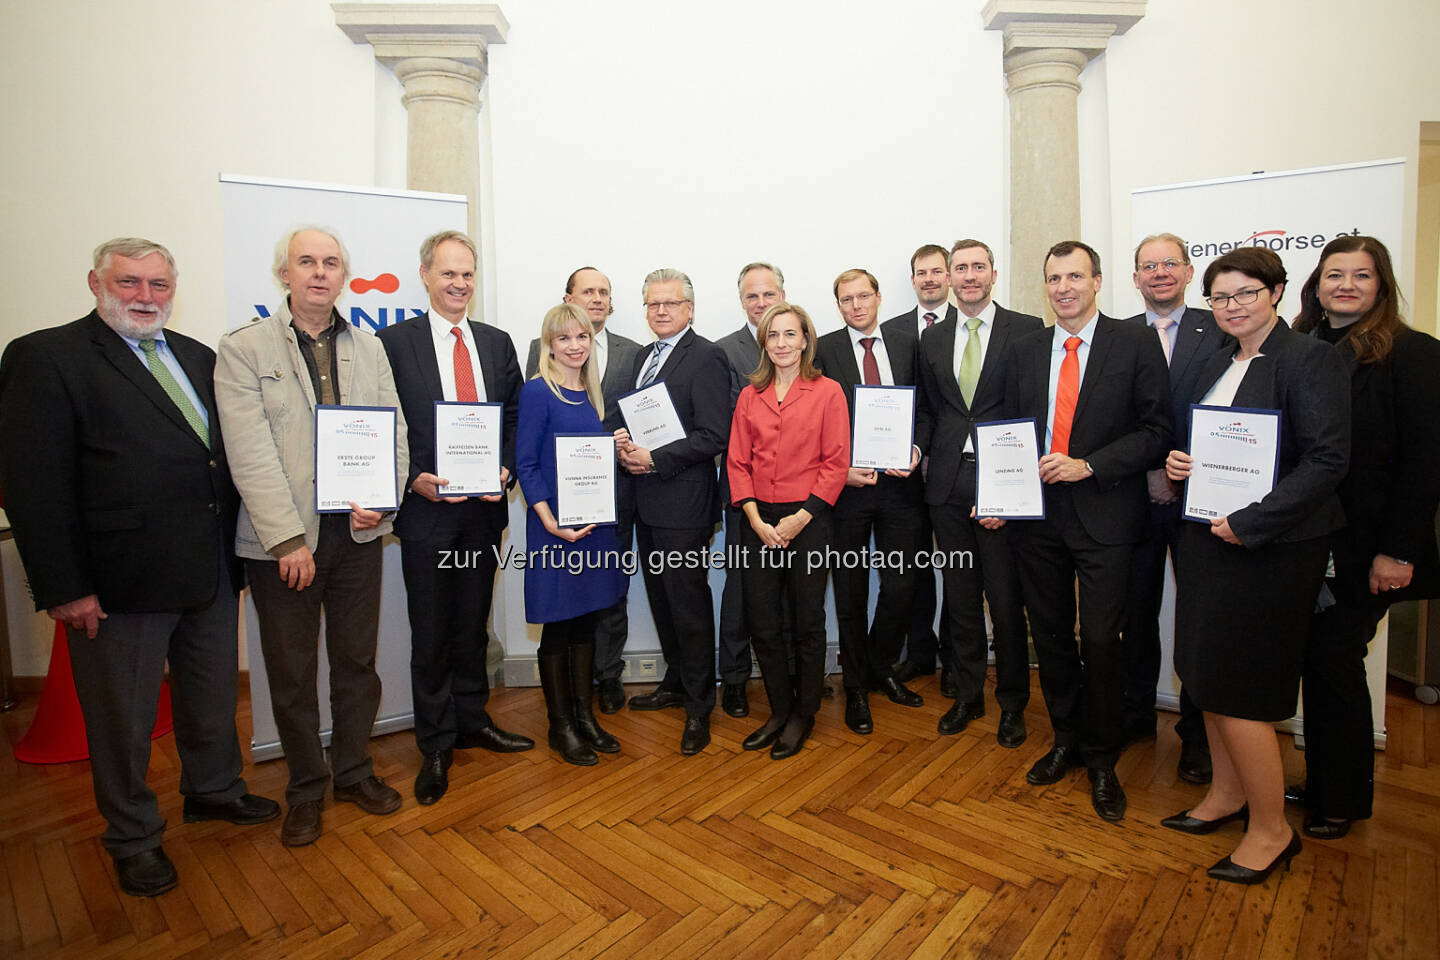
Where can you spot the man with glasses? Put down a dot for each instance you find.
(677, 500)
(1188, 336)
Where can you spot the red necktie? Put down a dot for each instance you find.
(929, 319)
(1065, 396)
(464, 373)
(872, 369)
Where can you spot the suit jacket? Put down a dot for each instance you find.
(946, 421)
(410, 348)
(743, 354)
(910, 322)
(1197, 337)
(108, 488)
(617, 380)
(1121, 424)
(683, 491)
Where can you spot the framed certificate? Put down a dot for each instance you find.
(1007, 470)
(884, 429)
(650, 416)
(1236, 454)
(467, 448)
(585, 479)
(355, 458)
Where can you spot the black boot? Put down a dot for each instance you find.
(582, 686)
(560, 707)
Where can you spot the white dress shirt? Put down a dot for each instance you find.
(1057, 357)
(444, 342)
(665, 355)
(962, 338)
(882, 358)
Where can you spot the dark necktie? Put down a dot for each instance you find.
(929, 319)
(872, 368)
(652, 369)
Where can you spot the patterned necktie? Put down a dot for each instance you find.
(1065, 396)
(929, 319)
(1162, 327)
(970, 361)
(872, 367)
(464, 373)
(174, 391)
(652, 369)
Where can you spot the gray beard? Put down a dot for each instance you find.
(113, 312)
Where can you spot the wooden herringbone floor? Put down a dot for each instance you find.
(899, 844)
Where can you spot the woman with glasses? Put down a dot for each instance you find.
(1386, 552)
(789, 456)
(1247, 582)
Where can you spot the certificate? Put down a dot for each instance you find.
(1236, 454)
(650, 416)
(1007, 470)
(354, 458)
(884, 429)
(467, 448)
(584, 479)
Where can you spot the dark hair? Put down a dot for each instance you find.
(930, 249)
(570, 282)
(1259, 263)
(1372, 336)
(967, 243)
(1066, 247)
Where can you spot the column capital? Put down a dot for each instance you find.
(1082, 25)
(458, 32)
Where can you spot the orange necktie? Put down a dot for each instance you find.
(1065, 396)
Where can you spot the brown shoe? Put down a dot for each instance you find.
(370, 795)
(302, 824)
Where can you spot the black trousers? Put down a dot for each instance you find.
(612, 625)
(770, 574)
(683, 610)
(1082, 685)
(990, 575)
(734, 640)
(1142, 630)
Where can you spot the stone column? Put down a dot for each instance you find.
(1047, 44)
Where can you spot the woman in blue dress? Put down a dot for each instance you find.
(571, 574)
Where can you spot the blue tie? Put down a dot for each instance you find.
(652, 369)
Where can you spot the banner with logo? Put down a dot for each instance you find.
(382, 230)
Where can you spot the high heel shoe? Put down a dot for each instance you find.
(1185, 823)
(1231, 872)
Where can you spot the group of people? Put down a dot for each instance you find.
(148, 480)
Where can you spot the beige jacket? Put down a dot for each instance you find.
(267, 417)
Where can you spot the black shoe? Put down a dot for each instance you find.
(1052, 767)
(1106, 794)
(792, 738)
(243, 810)
(372, 795)
(857, 711)
(734, 701)
(1295, 794)
(611, 695)
(1185, 823)
(908, 670)
(948, 687)
(1194, 766)
(302, 824)
(434, 777)
(1326, 828)
(494, 739)
(765, 735)
(893, 688)
(657, 699)
(148, 873)
(696, 736)
(1011, 731)
(958, 717)
(1231, 872)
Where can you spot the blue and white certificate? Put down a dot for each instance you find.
(467, 448)
(650, 416)
(884, 429)
(585, 479)
(355, 458)
(1235, 455)
(1007, 471)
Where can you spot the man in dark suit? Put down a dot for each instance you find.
(448, 543)
(677, 500)
(963, 364)
(1187, 336)
(117, 485)
(929, 276)
(886, 503)
(761, 286)
(1098, 391)
(616, 356)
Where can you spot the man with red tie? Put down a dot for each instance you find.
(1098, 390)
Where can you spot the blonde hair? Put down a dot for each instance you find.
(557, 321)
(765, 369)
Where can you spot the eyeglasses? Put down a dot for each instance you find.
(1241, 298)
(1150, 266)
(860, 298)
(669, 306)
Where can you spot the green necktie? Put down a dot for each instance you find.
(174, 391)
(970, 361)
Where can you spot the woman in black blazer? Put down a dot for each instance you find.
(1386, 552)
(1247, 582)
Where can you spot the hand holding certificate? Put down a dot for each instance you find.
(1234, 457)
(467, 448)
(354, 458)
(884, 430)
(650, 416)
(584, 479)
(1007, 471)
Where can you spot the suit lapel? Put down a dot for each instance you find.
(901, 352)
(425, 362)
(1188, 338)
(1215, 367)
(849, 372)
(1101, 343)
(488, 373)
(119, 355)
(999, 336)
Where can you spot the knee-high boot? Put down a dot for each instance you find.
(582, 688)
(560, 707)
